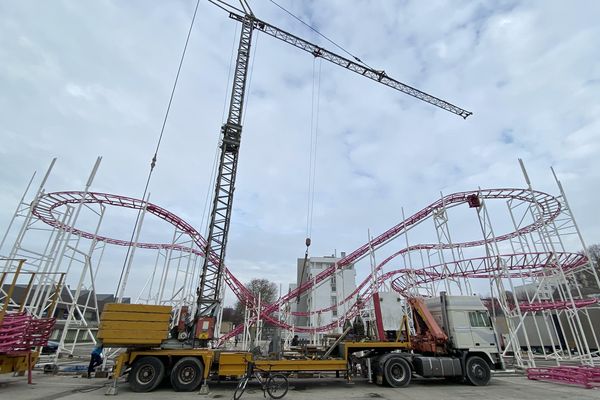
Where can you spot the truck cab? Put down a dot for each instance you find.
(453, 338)
(467, 323)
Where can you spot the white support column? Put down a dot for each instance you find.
(493, 252)
(551, 237)
(16, 213)
(28, 216)
(129, 261)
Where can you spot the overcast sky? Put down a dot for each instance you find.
(81, 79)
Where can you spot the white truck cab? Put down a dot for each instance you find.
(468, 325)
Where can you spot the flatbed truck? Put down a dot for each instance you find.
(452, 337)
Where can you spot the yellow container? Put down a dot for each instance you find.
(123, 325)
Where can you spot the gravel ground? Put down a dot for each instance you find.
(69, 387)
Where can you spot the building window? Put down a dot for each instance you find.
(479, 319)
(333, 283)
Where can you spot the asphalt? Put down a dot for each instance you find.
(70, 387)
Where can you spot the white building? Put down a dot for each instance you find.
(528, 291)
(325, 294)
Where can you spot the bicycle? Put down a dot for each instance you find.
(275, 384)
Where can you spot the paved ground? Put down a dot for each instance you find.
(505, 387)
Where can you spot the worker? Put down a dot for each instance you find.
(96, 359)
(271, 345)
(295, 340)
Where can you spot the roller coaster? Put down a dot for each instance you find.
(404, 281)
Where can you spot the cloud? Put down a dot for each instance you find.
(86, 81)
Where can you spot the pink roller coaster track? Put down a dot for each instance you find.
(524, 264)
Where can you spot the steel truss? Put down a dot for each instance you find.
(550, 209)
(539, 258)
(211, 278)
(60, 254)
(357, 67)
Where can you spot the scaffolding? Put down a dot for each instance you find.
(534, 281)
(46, 232)
(537, 283)
(52, 252)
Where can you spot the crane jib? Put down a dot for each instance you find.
(376, 75)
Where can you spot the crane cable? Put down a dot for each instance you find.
(320, 34)
(312, 163)
(314, 136)
(154, 157)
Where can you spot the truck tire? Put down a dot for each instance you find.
(187, 374)
(397, 372)
(146, 374)
(477, 371)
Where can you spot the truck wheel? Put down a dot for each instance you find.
(146, 374)
(397, 372)
(187, 374)
(477, 371)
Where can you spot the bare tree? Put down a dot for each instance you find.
(585, 277)
(264, 287)
(229, 314)
(594, 252)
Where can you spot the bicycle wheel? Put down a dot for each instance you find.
(239, 390)
(277, 386)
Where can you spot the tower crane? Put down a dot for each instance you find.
(211, 279)
(188, 360)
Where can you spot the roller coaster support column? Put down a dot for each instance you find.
(11, 289)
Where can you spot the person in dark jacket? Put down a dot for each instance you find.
(96, 359)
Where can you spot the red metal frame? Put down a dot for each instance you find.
(586, 376)
(518, 265)
(20, 332)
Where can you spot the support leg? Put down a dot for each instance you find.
(29, 368)
(112, 389)
(204, 388)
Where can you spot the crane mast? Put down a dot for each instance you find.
(231, 132)
(208, 292)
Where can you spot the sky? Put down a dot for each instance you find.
(82, 79)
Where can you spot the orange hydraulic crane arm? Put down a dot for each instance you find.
(435, 331)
